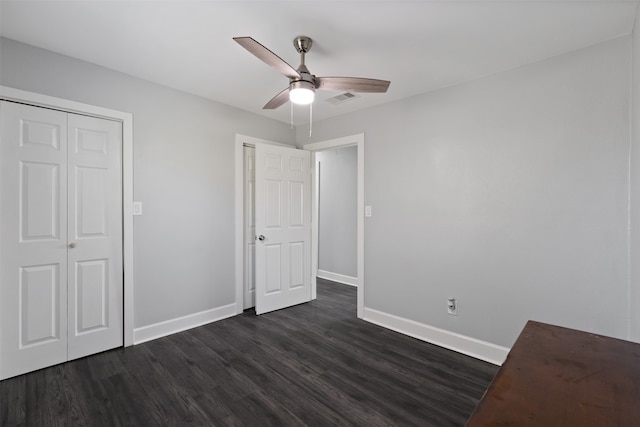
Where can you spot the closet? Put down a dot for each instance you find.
(61, 267)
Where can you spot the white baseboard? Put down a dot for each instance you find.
(337, 277)
(462, 344)
(168, 327)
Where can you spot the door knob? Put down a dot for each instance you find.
(72, 245)
(261, 237)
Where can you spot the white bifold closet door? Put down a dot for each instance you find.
(61, 275)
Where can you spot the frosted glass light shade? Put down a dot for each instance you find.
(302, 93)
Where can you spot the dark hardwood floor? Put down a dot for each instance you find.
(314, 364)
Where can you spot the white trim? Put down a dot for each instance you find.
(252, 141)
(241, 140)
(239, 225)
(12, 94)
(462, 344)
(357, 140)
(179, 324)
(337, 277)
(335, 143)
(18, 95)
(315, 220)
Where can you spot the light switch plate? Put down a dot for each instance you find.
(367, 211)
(137, 208)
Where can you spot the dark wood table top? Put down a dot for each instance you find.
(555, 376)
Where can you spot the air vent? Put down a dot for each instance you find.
(343, 97)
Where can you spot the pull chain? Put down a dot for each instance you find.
(291, 103)
(310, 119)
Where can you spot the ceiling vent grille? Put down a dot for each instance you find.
(343, 97)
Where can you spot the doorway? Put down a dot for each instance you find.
(275, 232)
(336, 175)
(355, 140)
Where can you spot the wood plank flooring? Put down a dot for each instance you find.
(314, 364)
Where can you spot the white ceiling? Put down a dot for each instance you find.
(418, 45)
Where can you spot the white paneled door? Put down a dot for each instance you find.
(61, 271)
(283, 227)
(95, 279)
(33, 248)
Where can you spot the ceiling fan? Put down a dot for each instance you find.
(303, 84)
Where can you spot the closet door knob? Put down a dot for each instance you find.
(72, 245)
(261, 237)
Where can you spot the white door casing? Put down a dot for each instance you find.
(61, 253)
(283, 227)
(249, 227)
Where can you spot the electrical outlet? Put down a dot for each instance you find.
(452, 306)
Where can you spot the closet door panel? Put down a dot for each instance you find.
(95, 234)
(33, 247)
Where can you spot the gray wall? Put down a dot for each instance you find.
(183, 174)
(337, 213)
(509, 193)
(634, 294)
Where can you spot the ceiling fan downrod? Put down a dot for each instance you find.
(303, 45)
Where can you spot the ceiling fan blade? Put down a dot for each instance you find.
(268, 57)
(354, 84)
(277, 100)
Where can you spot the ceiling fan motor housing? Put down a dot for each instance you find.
(302, 84)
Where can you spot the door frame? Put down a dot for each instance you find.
(347, 141)
(68, 106)
(353, 140)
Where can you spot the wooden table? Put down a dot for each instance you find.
(555, 376)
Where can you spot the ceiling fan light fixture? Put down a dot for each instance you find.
(302, 92)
